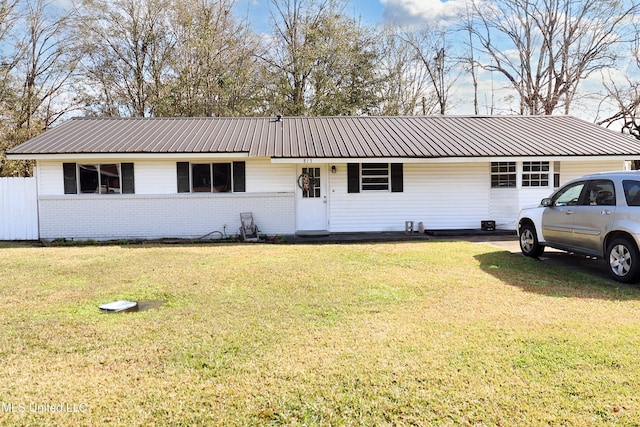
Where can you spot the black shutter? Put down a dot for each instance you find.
(128, 182)
(183, 177)
(397, 178)
(353, 178)
(239, 179)
(70, 180)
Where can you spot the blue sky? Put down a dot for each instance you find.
(371, 12)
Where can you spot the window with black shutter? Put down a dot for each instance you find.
(98, 178)
(375, 177)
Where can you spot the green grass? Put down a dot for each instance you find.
(429, 333)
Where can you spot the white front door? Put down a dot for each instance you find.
(311, 198)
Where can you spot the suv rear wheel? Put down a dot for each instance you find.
(529, 244)
(624, 260)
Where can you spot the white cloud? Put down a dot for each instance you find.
(416, 12)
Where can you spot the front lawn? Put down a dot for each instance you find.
(428, 333)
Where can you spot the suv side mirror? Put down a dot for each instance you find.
(546, 202)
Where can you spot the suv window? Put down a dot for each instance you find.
(568, 196)
(600, 192)
(631, 192)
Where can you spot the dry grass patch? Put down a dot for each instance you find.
(429, 333)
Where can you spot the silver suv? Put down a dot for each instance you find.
(596, 215)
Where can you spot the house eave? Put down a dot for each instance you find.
(317, 160)
(119, 156)
(468, 159)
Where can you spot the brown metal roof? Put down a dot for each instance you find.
(336, 137)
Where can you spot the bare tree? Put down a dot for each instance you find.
(37, 85)
(129, 44)
(623, 101)
(344, 79)
(546, 48)
(319, 62)
(468, 60)
(49, 61)
(405, 80)
(429, 45)
(8, 60)
(214, 61)
(293, 57)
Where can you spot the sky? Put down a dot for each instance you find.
(496, 96)
(371, 12)
(396, 12)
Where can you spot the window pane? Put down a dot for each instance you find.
(503, 174)
(89, 181)
(310, 182)
(375, 176)
(221, 177)
(631, 192)
(201, 177)
(569, 196)
(535, 179)
(601, 192)
(382, 180)
(110, 179)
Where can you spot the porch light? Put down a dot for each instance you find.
(333, 169)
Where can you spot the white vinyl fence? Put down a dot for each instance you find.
(18, 209)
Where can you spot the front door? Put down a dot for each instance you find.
(311, 199)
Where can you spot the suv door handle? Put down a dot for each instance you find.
(605, 212)
(568, 212)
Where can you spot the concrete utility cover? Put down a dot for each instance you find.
(118, 306)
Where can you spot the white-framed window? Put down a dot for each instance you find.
(535, 174)
(379, 177)
(503, 175)
(375, 176)
(210, 177)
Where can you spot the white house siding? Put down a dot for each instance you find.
(50, 178)
(160, 177)
(133, 216)
(572, 170)
(155, 177)
(504, 207)
(156, 210)
(262, 175)
(441, 196)
(507, 202)
(18, 209)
